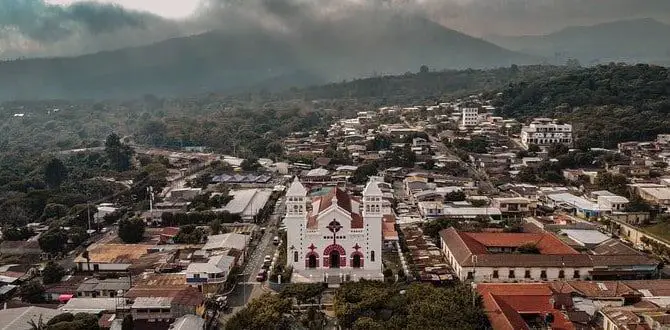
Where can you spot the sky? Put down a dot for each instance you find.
(177, 9)
(71, 27)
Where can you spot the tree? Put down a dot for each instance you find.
(53, 241)
(118, 154)
(250, 164)
(215, 226)
(534, 148)
(132, 230)
(31, 291)
(557, 149)
(55, 173)
(54, 211)
(52, 273)
(11, 233)
(363, 173)
(128, 323)
(265, 312)
(189, 234)
(303, 292)
(424, 69)
(77, 235)
(455, 196)
(527, 174)
(37, 324)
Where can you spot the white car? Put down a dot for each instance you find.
(268, 258)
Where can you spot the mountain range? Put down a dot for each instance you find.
(338, 49)
(235, 60)
(633, 41)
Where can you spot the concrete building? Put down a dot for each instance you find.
(515, 206)
(214, 271)
(469, 117)
(339, 240)
(545, 132)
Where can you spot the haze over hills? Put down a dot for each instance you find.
(632, 41)
(236, 59)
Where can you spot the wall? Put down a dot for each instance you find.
(83, 266)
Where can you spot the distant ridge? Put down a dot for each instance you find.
(634, 41)
(249, 58)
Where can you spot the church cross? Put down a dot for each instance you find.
(334, 227)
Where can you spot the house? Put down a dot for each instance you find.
(20, 248)
(226, 241)
(214, 271)
(653, 193)
(545, 132)
(585, 237)
(503, 257)
(471, 212)
(431, 209)
(581, 206)
(612, 203)
(167, 302)
(513, 206)
(109, 287)
(518, 306)
(93, 305)
(110, 257)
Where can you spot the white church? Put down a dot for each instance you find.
(338, 238)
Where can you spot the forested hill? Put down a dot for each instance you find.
(607, 104)
(425, 87)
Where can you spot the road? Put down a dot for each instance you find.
(483, 182)
(248, 288)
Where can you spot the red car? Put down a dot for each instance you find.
(262, 275)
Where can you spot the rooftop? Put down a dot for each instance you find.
(226, 241)
(114, 253)
(92, 305)
(585, 237)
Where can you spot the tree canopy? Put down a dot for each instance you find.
(131, 230)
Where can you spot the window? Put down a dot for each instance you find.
(543, 274)
(372, 256)
(495, 273)
(575, 274)
(295, 256)
(196, 275)
(527, 274)
(561, 274)
(511, 274)
(470, 275)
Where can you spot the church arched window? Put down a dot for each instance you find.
(295, 256)
(372, 256)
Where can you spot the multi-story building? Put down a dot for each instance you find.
(469, 117)
(339, 239)
(545, 132)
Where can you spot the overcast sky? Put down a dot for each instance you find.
(70, 27)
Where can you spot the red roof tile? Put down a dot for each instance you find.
(344, 201)
(504, 304)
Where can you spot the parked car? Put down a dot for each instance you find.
(275, 240)
(262, 275)
(267, 258)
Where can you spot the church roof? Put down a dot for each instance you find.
(343, 200)
(296, 189)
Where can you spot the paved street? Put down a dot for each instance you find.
(248, 288)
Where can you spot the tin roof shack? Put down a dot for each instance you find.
(426, 258)
(109, 287)
(19, 318)
(110, 257)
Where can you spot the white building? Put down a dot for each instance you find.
(339, 239)
(214, 271)
(545, 132)
(469, 117)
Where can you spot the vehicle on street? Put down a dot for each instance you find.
(267, 258)
(262, 275)
(275, 240)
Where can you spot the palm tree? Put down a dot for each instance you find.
(39, 325)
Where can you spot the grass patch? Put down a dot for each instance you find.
(660, 231)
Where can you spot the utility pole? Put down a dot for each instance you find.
(150, 191)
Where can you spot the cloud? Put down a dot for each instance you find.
(37, 28)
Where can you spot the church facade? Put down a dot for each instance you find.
(334, 237)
